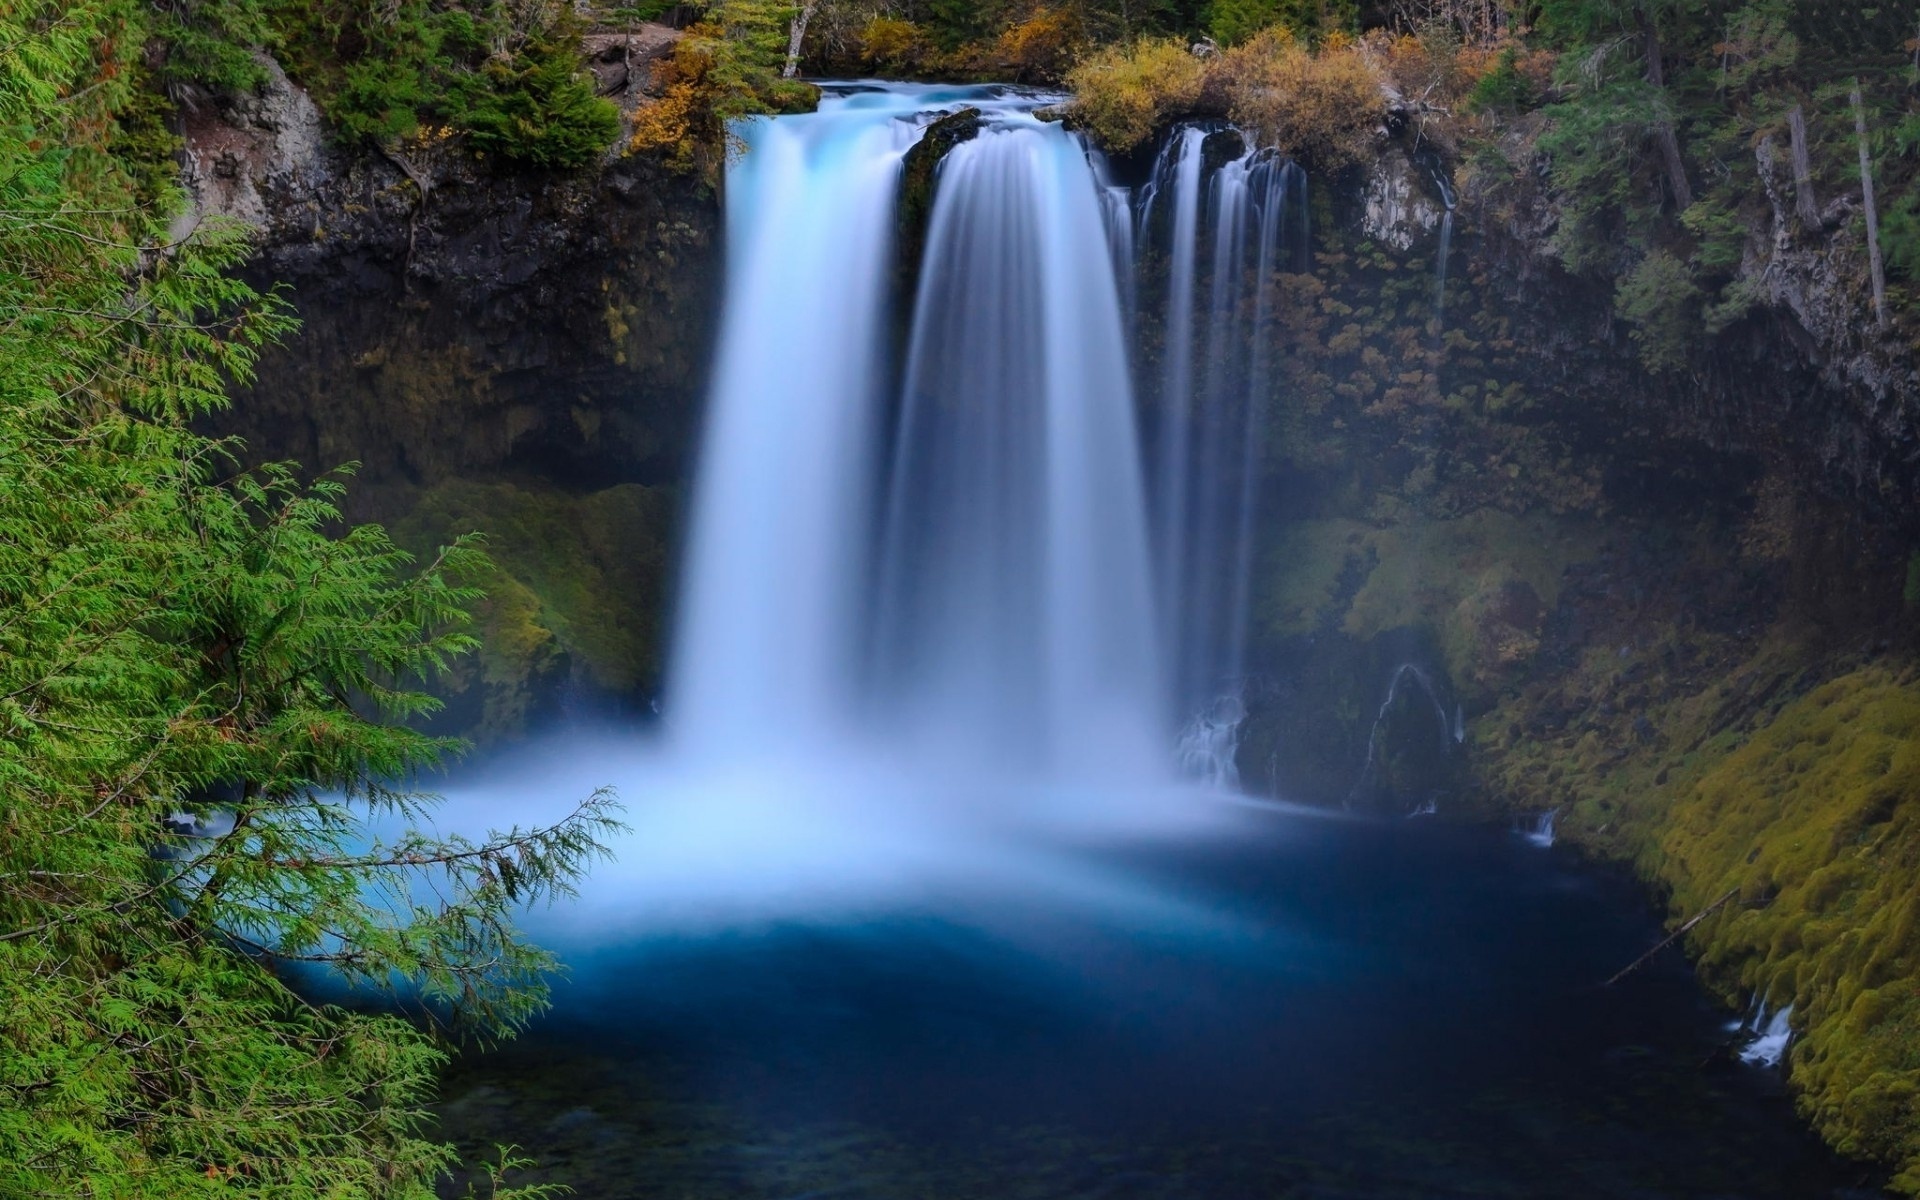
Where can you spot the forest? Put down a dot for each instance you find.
(231, 962)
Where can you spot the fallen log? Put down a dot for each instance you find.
(1673, 937)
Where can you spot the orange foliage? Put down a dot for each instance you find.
(680, 124)
(1039, 49)
(1323, 106)
(896, 47)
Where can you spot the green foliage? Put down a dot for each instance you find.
(539, 109)
(1719, 231)
(1900, 236)
(402, 73)
(1584, 22)
(1504, 88)
(727, 67)
(1662, 300)
(1598, 149)
(509, 76)
(213, 42)
(1231, 22)
(1758, 45)
(203, 680)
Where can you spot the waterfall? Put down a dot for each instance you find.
(1406, 674)
(767, 620)
(1178, 174)
(1223, 234)
(1771, 1035)
(1000, 609)
(1445, 252)
(1016, 607)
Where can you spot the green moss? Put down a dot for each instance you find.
(1816, 822)
(1481, 582)
(1310, 559)
(577, 588)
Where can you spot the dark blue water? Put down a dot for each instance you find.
(1317, 1009)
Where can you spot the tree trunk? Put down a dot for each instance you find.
(1663, 133)
(1803, 172)
(1873, 213)
(799, 36)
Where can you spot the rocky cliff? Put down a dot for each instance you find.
(513, 352)
(1677, 610)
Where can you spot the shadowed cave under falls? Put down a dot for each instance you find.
(940, 881)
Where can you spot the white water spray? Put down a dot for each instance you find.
(1771, 1035)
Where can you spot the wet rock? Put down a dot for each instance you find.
(1397, 209)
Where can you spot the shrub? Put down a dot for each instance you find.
(1039, 49)
(1231, 22)
(1900, 232)
(1123, 94)
(539, 107)
(510, 76)
(1323, 107)
(1662, 300)
(1504, 88)
(895, 47)
(212, 42)
(720, 71)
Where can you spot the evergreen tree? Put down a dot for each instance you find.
(202, 690)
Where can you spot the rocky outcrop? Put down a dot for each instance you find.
(1400, 204)
(497, 350)
(1676, 609)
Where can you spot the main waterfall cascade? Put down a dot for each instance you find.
(944, 610)
(1016, 607)
(1002, 607)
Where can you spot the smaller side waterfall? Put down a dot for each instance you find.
(1445, 252)
(1771, 1035)
(1220, 217)
(1408, 678)
(1539, 829)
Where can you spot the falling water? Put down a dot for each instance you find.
(1016, 608)
(919, 639)
(1445, 252)
(1539, 830)
(1405, 675)
(1224, 235)
(768, 614)
(1771, 1035)
(1178, 176)
(916, 651)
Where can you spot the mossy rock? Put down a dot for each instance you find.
(919, 172)
(576, 597)
(1815, 822)
(1482, 583)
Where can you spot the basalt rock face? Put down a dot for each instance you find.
(1679, 609)
(458, 318)
(1805, 381)
(496, 350)
(1438, 479)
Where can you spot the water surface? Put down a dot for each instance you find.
(1305, 1008)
